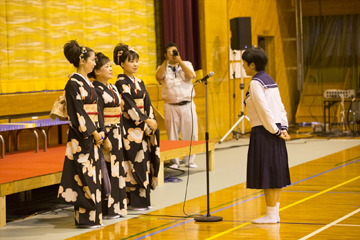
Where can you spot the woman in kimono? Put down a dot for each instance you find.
(141, 136)
(109, 103)
(81, 178)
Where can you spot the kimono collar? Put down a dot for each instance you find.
(264, 79)
(86, 80)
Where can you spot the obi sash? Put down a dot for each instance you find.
(91, 110)
(112, 115)
(140, 104)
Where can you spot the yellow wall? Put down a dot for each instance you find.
(274, 19)
(214, 50)
(33, 34)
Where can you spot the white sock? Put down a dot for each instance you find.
(277, 211)
(270, 216)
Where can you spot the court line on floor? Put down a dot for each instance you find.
(288, 206)
(232, 205)
(330, 224)
(347, 225)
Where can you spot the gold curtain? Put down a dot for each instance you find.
(33, 33)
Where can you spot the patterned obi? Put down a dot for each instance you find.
(112, 115)
(92, 111)
(140, 104)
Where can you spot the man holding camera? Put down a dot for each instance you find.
(175, 75)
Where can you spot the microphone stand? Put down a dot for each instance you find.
(207, 217)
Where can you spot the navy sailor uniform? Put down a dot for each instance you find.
(267, 165)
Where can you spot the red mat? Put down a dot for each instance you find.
(166, 145)
(20, 165)
(24, 164)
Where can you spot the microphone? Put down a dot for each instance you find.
(211, 74)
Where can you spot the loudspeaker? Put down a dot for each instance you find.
(240, 33)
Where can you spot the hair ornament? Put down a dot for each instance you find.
(83, 51)
(119, 55)
(131, 49)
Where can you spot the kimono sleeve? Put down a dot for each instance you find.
(262, 109)
(149, 111)
(101, 106)
(78, 117)
(129, 103)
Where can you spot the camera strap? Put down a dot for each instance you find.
(174, 69)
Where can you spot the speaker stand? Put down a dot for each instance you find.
(241, 116)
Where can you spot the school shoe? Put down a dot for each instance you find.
(111, 216)
(89, 226)
(174, 166)
(268, 218)
(136, 209)
(191, 165)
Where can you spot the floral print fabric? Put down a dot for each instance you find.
(81, 178)
(115, 204)
(141, 150)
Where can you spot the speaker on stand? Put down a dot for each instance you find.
(240, 40)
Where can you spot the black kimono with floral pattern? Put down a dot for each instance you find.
(81, 178)
(109, 97)
(141, 144)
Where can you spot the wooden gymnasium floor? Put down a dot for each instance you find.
(323, 201)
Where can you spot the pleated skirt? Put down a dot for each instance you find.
(267, 163)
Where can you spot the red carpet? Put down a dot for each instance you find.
(26, 164)
(166, 145)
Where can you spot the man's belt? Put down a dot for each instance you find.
(180, 103)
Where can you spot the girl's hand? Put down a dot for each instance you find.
(152, 123)
(98, 138)
(107, 145)
(284, 135)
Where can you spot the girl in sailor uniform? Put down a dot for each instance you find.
(267, 165)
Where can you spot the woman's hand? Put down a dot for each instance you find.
(98, 138)
(284, 135)
(152, 123)
(107, 147)
(154, 182)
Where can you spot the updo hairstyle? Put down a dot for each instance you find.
(100, 60)
(123, 52)
(73, 52)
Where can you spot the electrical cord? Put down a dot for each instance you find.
(354, 120)
(191, 138)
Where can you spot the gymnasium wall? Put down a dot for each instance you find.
(33, 33)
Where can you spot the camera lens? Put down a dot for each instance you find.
(175, 53)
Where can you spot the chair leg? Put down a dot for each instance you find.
(2, 146)
(17, 140)
(36, 140)
(45, 139)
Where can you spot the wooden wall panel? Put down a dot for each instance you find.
(274, 19)
(330, 7)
